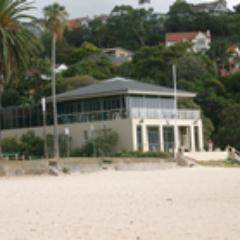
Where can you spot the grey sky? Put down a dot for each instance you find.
(78, 8)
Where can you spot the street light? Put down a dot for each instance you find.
(67, 133)
(44, 110)
(174, 71)
(93, 136)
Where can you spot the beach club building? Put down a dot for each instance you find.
(142, 114)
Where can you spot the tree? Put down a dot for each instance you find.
(237, 8)
(229, 131)
(78, 54)
(55, 16)
(17, 44)
(144, 1)
(154, 64)
(99, 69)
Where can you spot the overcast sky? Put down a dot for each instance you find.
(78, 8)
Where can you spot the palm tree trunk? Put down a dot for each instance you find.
(54, 101)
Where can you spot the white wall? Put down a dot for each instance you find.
(121, 126)
(126, 129)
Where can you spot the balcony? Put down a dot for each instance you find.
(148, 113)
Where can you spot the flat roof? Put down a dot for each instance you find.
(119, 85)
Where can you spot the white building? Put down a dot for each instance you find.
(200, 41)
(212, 7)
(118, 55)
(143, 115)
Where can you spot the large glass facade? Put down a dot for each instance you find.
(81, 110)
(95, 109)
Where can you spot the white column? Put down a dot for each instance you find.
(201, 137)
(161, 138)
(192, 132)
(176, 138)
(145, 138)
(134, 136)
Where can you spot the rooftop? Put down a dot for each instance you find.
(211, 6)
(121, 86)
(183, 36)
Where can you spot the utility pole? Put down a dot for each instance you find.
(67, 134)
(44, 112)
(54, 101)
(174, 71)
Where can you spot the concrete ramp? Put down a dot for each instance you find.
(208, 156)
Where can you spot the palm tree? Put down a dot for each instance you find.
(55, 16)
(17, 44)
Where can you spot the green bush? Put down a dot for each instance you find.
(31, 145)
(86, 151)
(10, 145)
(136, 154)
(101, 144)
(62, 145)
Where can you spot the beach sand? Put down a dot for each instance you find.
(179, 204)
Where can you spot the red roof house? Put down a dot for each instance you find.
(200, 40)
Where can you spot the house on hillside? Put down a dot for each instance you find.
(118, 55)
(143, 116)
(200, 40)
(215, 7)
(232, 64)
(59, 68)
(78, 22)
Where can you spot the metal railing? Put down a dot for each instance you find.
(149, 113)
(123, 114)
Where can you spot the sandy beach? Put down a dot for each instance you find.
(179, 204)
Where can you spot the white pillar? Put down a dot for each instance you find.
(176, 139)
(193, 145)
(200, 136)
(145, 138)
(134, 137)
(161, 138)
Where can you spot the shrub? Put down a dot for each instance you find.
(102, 144)
(63, 145)
(136, 154)
(31, 145)
(105, 141)
(10, 145)
(86, 150)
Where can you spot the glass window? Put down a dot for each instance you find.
(139, 138)
(168, 133)
(153, 139)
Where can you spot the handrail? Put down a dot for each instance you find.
(165, 113)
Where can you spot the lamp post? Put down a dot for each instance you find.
(92, 132)
(67, 133)
(44, 110)
(54, 102)
(174, 72)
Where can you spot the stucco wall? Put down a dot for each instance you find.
(122, 127)
(126, 129)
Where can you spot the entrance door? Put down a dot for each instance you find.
(153, 139)
(168, 135)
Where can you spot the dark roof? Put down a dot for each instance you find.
(120, 85)
(210, 6)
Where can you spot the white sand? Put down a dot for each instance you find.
(180, 204)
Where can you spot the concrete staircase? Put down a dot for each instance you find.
(229, 154)
(208, 156)
(234, 154)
